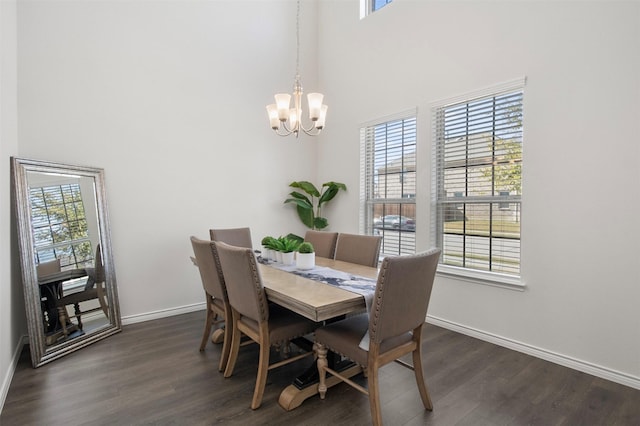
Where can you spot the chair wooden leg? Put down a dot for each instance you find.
(226, 342)
(321, 351)
(235, 348)
(422, 385)
(261, 380)
(62, 319)
(374, 394)
(78, 313)
(207, 328)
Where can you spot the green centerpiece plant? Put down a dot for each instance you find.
(306, 258)
(309, 202)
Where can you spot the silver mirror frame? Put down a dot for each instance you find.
(40, 352)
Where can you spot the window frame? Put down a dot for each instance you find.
(507, 280)
(367, 7)
(367, 185)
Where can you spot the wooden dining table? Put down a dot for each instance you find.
(317, 301)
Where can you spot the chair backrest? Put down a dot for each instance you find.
(243, 281)
(239, 237)
(360, 249)
(48, 268)
(210, 271)
(402, 294)
(96, 273)
(324, 243)
(100, 277)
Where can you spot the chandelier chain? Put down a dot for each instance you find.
(298, 41)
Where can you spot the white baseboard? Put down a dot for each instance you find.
(163, 313)
(6, 381)
(556, 358)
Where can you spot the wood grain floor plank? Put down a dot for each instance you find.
(153, 374)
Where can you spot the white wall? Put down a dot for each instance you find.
(169, 98)
(582, 125)
(12, 316)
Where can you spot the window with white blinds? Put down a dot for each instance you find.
(60, 226)
(477, 166)
(389, 182)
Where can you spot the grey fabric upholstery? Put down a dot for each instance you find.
(210, 273)
(360, 249)
(264, 323)
(239, 237)
(394, 324)
(216, 297)
(48, 268)
(244, 287)
(324, 243)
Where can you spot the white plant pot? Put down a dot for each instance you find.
(287, 258)
(278, 256)
(266, 253)
(306, 260)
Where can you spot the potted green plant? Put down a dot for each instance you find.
(306, 258)
(309, 203)
(288, 248)
(268, 252)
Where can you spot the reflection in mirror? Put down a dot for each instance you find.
(67, 267)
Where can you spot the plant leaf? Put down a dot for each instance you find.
(320, 222)
(306, 215)
(307, 187)
(332, 189)
(301, 203)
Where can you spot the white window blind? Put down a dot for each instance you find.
(477, 167)
(60, 226)
(389, 182)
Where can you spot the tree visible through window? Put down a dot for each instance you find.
(60, 226)
(390, 183)
(478, 171)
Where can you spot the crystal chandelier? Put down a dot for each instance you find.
(285, 120)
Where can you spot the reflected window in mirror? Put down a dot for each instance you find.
(60, 226)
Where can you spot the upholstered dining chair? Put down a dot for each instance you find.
(93, 289)
(360, 249)
(218, 310)
(48, 268)
(239, 237)
(324, 243)
(266, 324)
(394, 327)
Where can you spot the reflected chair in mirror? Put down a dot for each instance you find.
(239, 237)
(48, 294)
(391, 330)
(217, 302)
(324, 243)
(93, 290)
(265, 323)
(360, 249)
(48, 268)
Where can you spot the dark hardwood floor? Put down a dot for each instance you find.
(153, 374)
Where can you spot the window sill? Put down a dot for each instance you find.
(481, 277)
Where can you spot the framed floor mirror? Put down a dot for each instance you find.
(70, 292)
